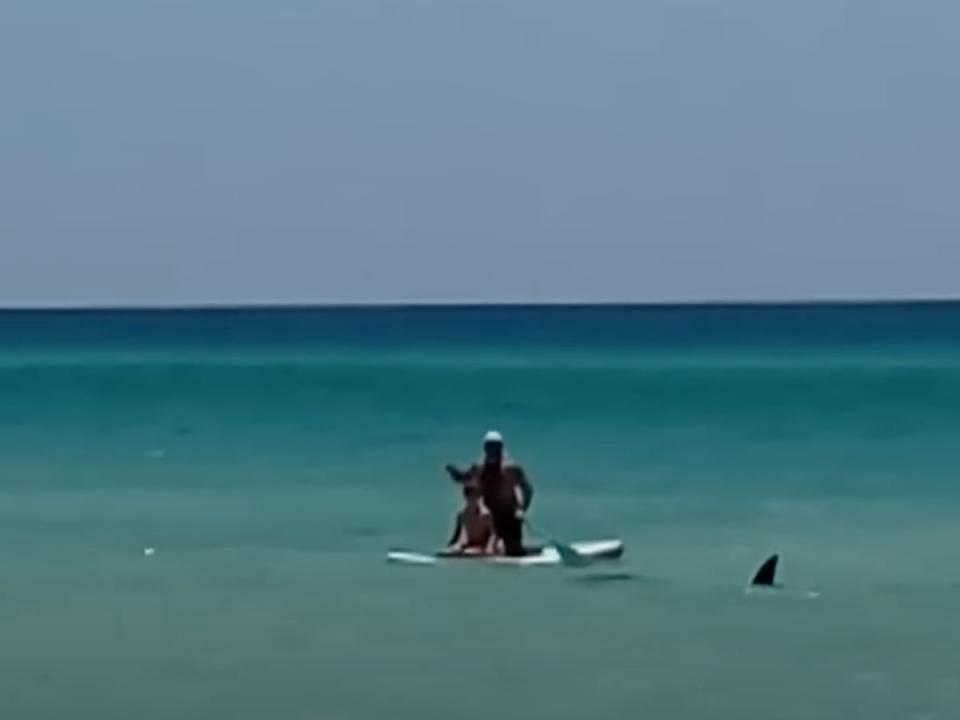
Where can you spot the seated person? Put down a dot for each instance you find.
(473, 534)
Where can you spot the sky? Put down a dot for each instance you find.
(230, 151)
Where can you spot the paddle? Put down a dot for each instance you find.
(568, 554)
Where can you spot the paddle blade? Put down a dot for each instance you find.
(569, 555)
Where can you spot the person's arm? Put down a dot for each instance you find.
(458, 475)
(457, 532)
(525, 487)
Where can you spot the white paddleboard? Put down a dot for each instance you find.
(590, 551)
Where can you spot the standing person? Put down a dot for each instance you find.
(506, 491)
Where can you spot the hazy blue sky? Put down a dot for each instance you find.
(311, 150)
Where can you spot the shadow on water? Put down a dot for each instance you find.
(606, 578)
(362, 531)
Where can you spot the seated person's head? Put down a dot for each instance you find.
(471, 494)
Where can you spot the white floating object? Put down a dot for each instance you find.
(149, 551)
(549, 555)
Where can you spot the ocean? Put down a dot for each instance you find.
(195, 506)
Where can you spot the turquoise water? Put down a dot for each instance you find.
(271, 457)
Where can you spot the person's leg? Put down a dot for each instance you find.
(510, 530)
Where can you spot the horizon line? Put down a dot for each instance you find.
(569, 304)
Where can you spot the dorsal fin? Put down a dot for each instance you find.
(767, 573)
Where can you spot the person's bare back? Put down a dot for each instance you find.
(474, 532)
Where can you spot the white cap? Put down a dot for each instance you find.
(493, 437)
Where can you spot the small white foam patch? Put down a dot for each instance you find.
(148, 551)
